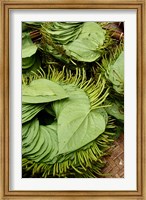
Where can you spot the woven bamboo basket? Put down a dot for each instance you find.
(115, 160)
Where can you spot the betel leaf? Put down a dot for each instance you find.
(42, 91)
(78, 50)
(30, 110)
(40, 143)
(83, 129)
(56, 54)
(62, 32)
(33, 66)
(73, 94)
(77, 124)
(79, 41)
(51, 132)
(87, 46)
(116, 73)
(116, 109)
(93, 31)
(103, 112)
(28, 62)
(31, 133)
(66, 25)
(28, 47)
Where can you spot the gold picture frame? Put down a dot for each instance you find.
(139, 5)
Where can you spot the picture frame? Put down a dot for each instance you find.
(6, 6)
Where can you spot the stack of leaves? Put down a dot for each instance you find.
(73, 41)
(69, 115)
(112, 68)
(75, 118)
(30, 57)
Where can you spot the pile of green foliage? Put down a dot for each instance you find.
(72, 97)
